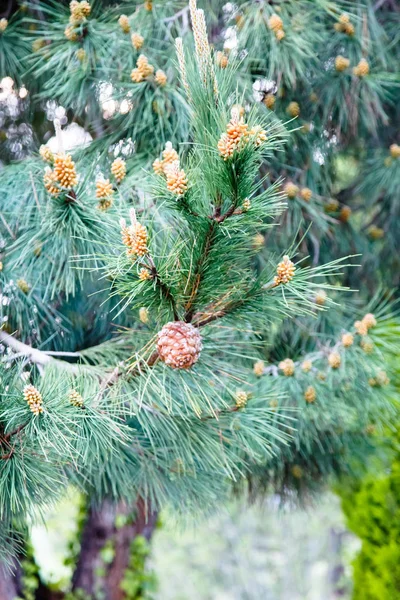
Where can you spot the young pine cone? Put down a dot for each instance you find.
(306, 194)
(70, 33)
(258, 368)
(64, 171)
(75, 399)
(291, 190)
(275, 23)
(341, 63)
(334, 360)
(137, 40)
(226, 146)
(134, 238)
(50, 182)
(362, 69)
(310, 394)
(284, 271)
(177, 182)
(395, 151)
(160, 78)
(105, 203)
(320, 297)
(293, 109)
(46, 153)
(222, 60)
(241, 398)
(369, 320)
(34, 398)
(118, 169)
(179, 345)
(144, 67)
(104, 188)
(269, 101)
(79, 11)
(347, 340)
(287, 367)
(123, 22)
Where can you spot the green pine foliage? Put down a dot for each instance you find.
(235, 216)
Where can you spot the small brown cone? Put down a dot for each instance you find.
(179, 345)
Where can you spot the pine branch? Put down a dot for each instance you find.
(38, 357)
(206, 250)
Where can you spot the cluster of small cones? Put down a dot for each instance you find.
(169, 167)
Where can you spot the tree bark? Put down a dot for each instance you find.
(10, 581)
(91, 573)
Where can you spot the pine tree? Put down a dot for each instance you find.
(176, 316)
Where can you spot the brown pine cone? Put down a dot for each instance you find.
(179, 345)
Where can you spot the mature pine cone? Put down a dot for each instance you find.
(179, 345)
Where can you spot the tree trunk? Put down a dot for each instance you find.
(91, 573)
(10, 581)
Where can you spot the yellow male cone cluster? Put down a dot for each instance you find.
(3, 25)
(79, 11)
(64, 171)
(70, 33)
(144, 314)
(46, 154)
(287, 367)
(160, 78)
(50, 182)
(137, 40)
(143, 69)
(241, 398)
(177, 182)
(118, 169)
(221, 59)
(321, 297)
(123, 22)
(344, 25)
(275, 24)
(347, 340)
(23, 285)
(104, 193)
(34, 399)
(258, 368)
(285, 271)
(291, 190)
(80, 54)
(293, 109)
(395, 151)
(362, 69)
(63, 175)
(341, 63)
(169, 166)
(269, 101)
(310, 394)
(238, 134)
(306, 194)
(334, 360)
(367, 322)
(144, 275)
(134, 236)
(75, 399)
